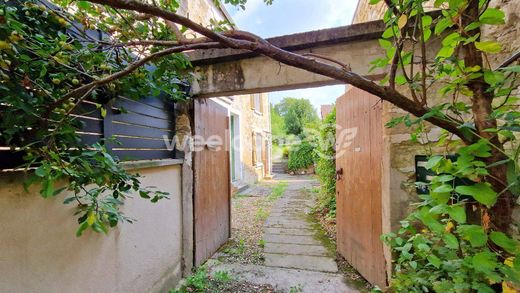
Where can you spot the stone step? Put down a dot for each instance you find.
(304, 262)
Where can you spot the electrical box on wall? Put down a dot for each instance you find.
(423, 176)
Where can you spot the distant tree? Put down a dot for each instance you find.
(277, 123)
(296, 114)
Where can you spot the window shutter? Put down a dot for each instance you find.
(253, 149)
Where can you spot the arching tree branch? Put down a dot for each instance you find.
(248, 41)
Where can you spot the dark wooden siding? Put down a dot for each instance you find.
(131, 130)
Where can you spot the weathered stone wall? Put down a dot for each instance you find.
(366, 12)
(201, 11)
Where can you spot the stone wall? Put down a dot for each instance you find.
(201, 11)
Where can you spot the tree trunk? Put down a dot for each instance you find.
(501, 212)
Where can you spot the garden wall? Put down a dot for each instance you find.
(40, 252)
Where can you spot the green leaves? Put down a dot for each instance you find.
(492, 16)
(433, 162)
(442, 25)
(474, 234)
(489, 47)
(482, 192)
(451, 241)
(485, 261)
(457, 213)
(505, 242)
(434, 260)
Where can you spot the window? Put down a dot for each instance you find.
(256, 103)
(257, 149)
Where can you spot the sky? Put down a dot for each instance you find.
(294, 16)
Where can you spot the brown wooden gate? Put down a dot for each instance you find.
(358, 189)
(212, 179)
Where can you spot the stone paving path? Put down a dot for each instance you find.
(289, 237)
(295, 261)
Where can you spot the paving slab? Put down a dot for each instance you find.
(289, 231)
(296, 239)
(286, 280)
(296, 249)
(289, 225)
(305, 262)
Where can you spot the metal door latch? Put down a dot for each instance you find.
(339, 173)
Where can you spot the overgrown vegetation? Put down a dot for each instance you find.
(201, 282)
(456, 239)
(294, 120)
(326, 166)
(301, 156)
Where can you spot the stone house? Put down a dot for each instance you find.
(250, 137)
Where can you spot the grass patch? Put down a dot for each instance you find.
(262, 214)
(201, 281)
(235, 248)
(277, 191)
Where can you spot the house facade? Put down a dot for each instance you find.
(249, 137)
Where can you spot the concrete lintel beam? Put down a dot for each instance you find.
(299, 41)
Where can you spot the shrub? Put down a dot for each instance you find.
(301, 156)
(285, 152)
(326, 166)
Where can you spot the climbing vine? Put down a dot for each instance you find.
(459, 236)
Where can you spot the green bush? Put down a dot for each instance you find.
(285, 152)
(301, 156)
(326, 166)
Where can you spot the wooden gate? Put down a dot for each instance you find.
(212, 179)
(358, 189)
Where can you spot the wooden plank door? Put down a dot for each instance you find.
(358, 189)
(212, 196)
